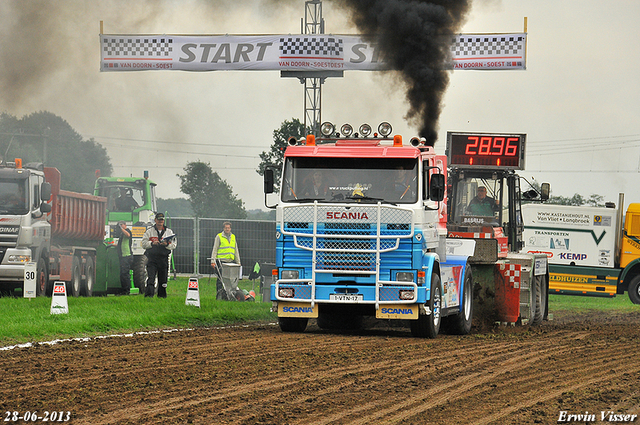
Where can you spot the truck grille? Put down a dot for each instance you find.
(347, 239)
(9, 236)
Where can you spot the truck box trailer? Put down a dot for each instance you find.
(592, 251)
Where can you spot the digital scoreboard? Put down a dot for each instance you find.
(486, 150)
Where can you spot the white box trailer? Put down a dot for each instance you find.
(571, 235)
(592, 251)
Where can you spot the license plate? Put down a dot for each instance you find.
(346, 297)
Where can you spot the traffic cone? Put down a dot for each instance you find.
(59, 299)
(193, 293)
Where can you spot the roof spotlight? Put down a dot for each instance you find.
(384, 129)
(292, 141)
(327, 129)
(415, 142)
(346, 130)
(365, 130)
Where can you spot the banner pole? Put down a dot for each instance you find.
(526, 41)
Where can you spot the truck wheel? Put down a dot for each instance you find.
(140, 272)
(541, 300)
(292, 324)
(87, 286)
(76, 277)
(42, 278)
(634, 290)
(428, 326)
(460, 324)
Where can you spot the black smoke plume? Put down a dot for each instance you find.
(414, 37)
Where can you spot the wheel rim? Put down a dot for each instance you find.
(467, 301)
(436, 306)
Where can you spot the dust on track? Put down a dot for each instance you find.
(259, 375)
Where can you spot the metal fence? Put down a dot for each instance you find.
(256, 243)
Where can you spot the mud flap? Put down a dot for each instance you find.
(289, 309)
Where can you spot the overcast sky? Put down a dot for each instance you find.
(578, 101)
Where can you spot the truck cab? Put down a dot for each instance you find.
(25, 233)
(360, 231)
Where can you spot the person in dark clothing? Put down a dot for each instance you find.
(126, 256)
(125, 201)
(482, 204)
(158, 242)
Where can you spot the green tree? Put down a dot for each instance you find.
(175, 207)
(210, 196)
(47, 138)
(274, 157)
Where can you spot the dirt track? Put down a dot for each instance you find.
(259, 375)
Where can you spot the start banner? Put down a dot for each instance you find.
(320, 52)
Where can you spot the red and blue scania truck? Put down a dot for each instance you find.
(361, 231)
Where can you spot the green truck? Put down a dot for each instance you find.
(133, 200)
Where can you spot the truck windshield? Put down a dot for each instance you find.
(13, 197)
(350, 180)
(122, 198)
(478, 201)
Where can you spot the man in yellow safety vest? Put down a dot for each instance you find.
(225, 249)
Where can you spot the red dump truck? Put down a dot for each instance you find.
(62, 232)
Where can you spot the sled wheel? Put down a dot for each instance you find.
(460, 324)
(292, 324)
(428, 326)
(541, 299)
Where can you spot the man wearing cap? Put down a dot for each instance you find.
(126, 256)
(158, 242)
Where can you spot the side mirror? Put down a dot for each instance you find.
(436, 187)
(45, 191)
(268, 181)
(545, 190)
(45, 208)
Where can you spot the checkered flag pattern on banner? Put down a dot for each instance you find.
(489, 45)
(137, 47)
(311, 47)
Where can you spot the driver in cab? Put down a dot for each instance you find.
(482, 204)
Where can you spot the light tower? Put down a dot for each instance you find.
(311, 24)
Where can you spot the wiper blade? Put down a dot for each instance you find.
(310, 199)
(368, 198)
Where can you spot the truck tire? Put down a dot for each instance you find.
(140, 272)
(76, 277)
(541, 299)
(42, 278)
(428, 326)
(293, 324)
(460, 324)
(634, 290)
(90, 274)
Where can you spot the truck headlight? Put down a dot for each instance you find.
(290, 274)
(407, 294)
(404, 276)
(286, 292)
(19, 259)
